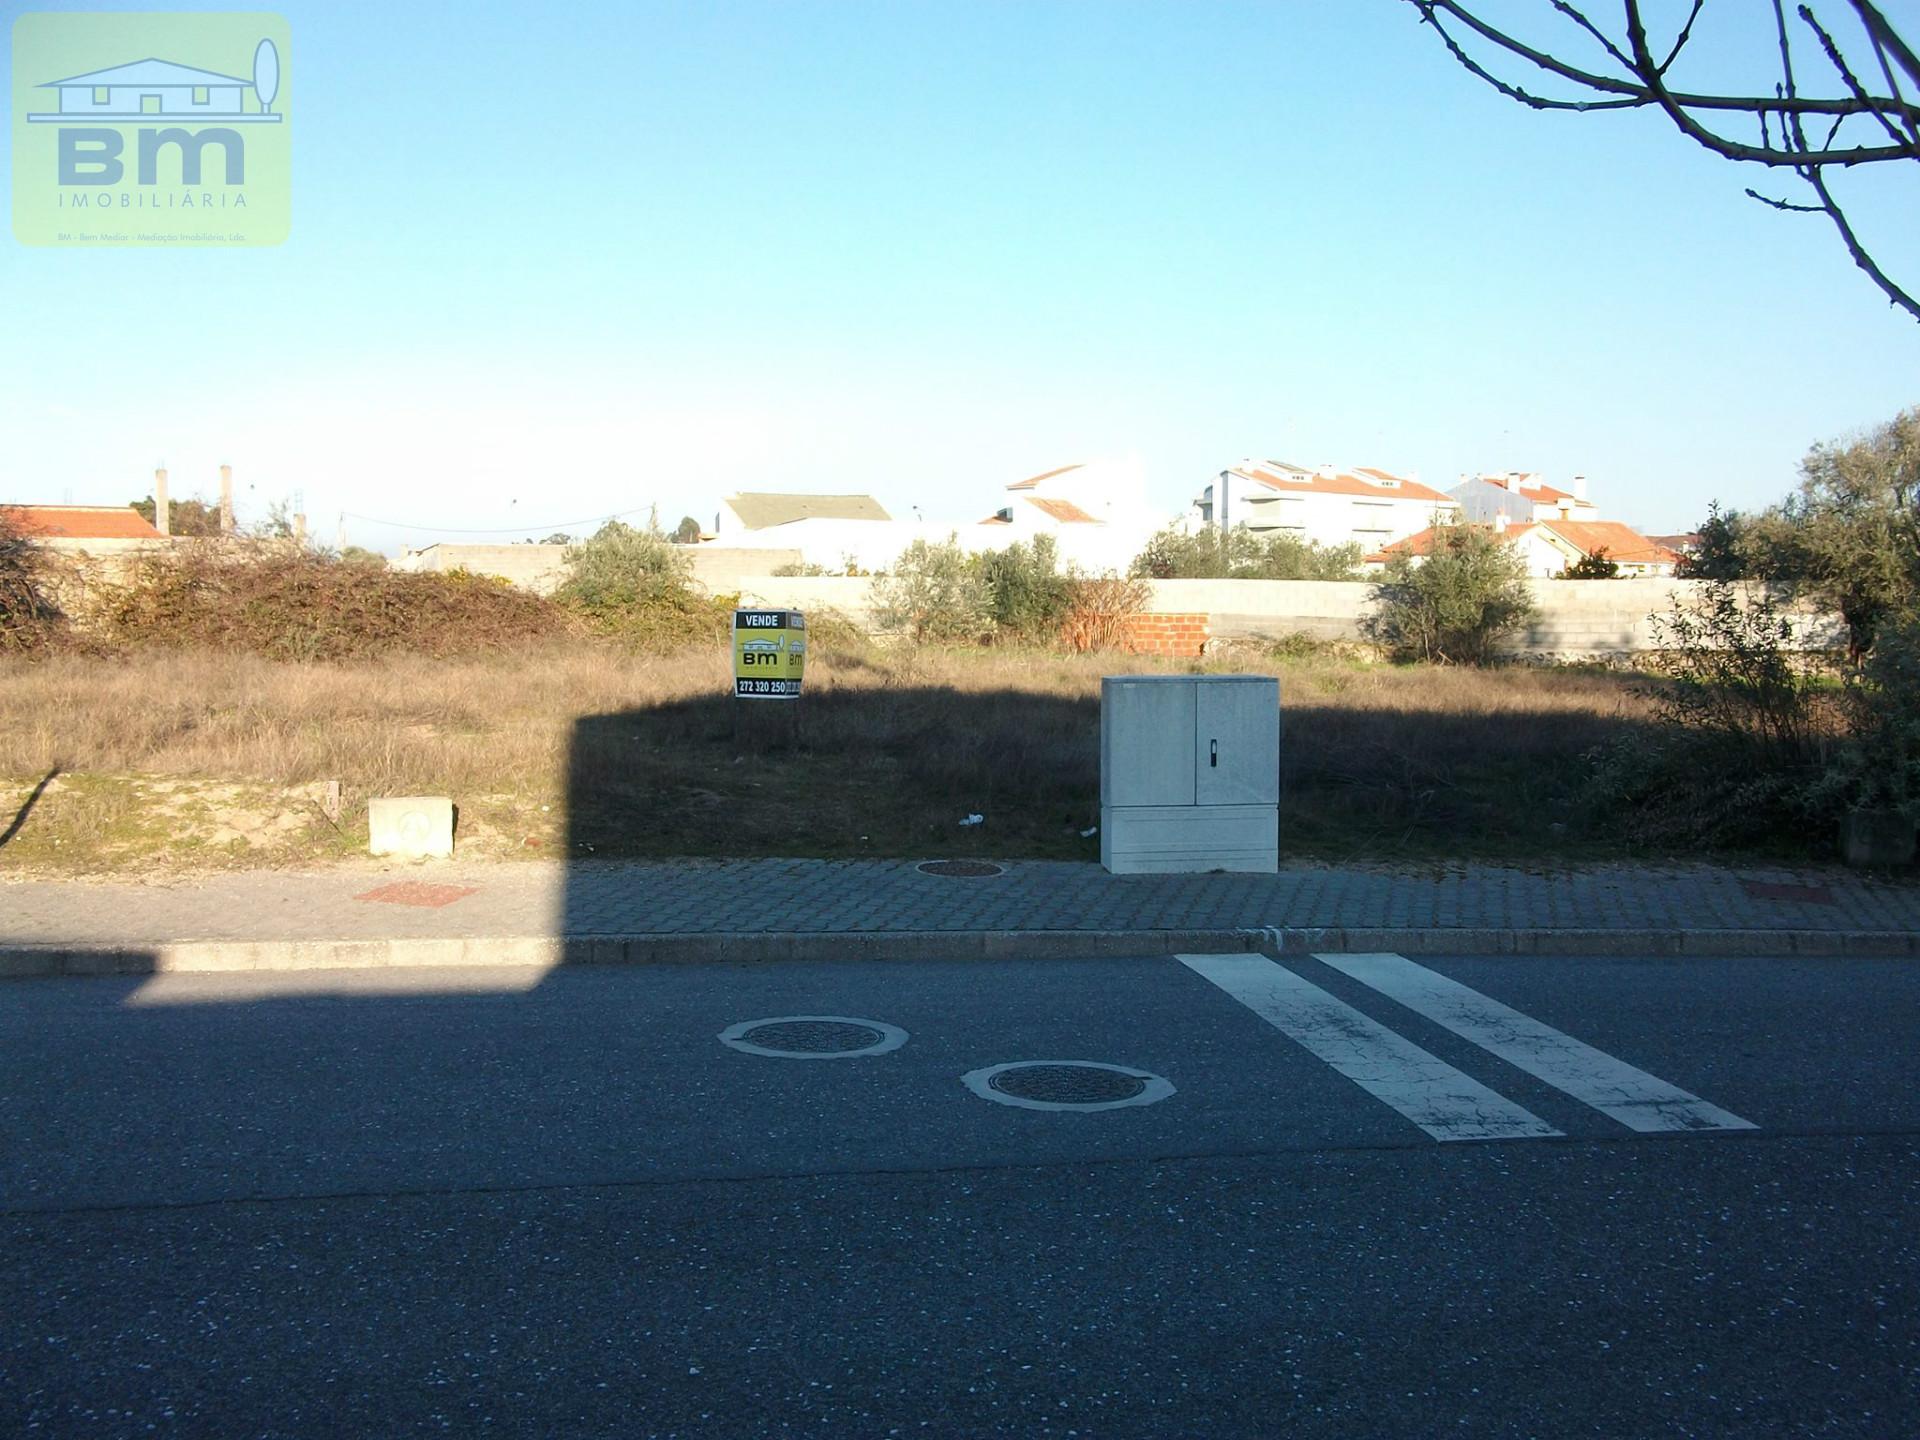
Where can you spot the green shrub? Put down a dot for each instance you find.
(634, 586)
(1454, 606)
(1240, 554)
(1745, 732)
(1879, 766)
(934, 592)
(624, 568)
(1597, 566)
(1028, 598)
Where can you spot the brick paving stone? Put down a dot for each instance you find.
(534, 898)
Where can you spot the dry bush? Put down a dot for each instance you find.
(290, 605)
(30, 623)
(1099, 609)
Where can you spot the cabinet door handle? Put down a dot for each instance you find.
(1213, 753)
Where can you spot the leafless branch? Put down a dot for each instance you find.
(1642, 83)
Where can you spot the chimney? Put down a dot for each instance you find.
(300, 530)
(226, 499)
(1579, 487)
(162, 506)
(1500, 523)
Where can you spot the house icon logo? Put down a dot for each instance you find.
(188, 145)
(160, 88)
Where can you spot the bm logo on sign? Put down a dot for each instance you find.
(143, 150)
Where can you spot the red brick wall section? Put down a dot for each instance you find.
(1166, 634)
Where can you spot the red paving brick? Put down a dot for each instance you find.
(414, 892)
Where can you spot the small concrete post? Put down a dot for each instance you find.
(415, 826)
(226, 499)
(162, 506)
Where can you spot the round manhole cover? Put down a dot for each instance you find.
(1067, 1085)
(813, 1037)
(962, 869)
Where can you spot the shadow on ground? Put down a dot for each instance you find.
(893, 773)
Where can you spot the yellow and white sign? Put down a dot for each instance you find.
(769, 654)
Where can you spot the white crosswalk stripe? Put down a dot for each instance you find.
(1447, 1103)
(1639, 1101)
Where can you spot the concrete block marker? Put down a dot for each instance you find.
(417, 827)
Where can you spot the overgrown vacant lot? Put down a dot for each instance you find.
(192, 759)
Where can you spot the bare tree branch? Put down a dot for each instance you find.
(1858, 251)
(1642, 83)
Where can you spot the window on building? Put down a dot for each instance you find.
(102, 95)
(199, 94)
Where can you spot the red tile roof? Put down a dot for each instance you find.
(1621, 542)
(1033, 481)
(1316, 484)
(79, 522)
(1065, 511)
(1420, 543)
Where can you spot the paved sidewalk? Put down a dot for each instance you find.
(540, 912)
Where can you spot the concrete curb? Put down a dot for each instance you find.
(546, 951)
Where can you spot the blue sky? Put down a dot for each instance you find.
(549, 264)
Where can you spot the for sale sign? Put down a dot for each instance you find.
(769, 654)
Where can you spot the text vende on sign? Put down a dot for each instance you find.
(769, 654)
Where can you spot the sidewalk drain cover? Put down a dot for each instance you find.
(964, 869)
(813, 1037)
(1067, 1085)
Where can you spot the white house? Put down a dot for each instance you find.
(1521, 497)
(1550, 546)
(1365, 507)
(1095, 511)
(151, 87)
(749, 511)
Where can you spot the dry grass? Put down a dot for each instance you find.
(637, 755)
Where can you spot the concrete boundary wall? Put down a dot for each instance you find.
(1578, 619)
(717, 569)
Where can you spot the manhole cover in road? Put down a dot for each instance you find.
(963, 869)
(1067, 1085)
(813, 1037)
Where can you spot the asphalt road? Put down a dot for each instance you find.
(394, 1203)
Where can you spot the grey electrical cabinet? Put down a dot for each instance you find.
(1189, 773)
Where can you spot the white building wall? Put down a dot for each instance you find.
(1484, 499)
(876, 544)
(1320, 518)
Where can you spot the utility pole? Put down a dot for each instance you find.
(162, 506)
